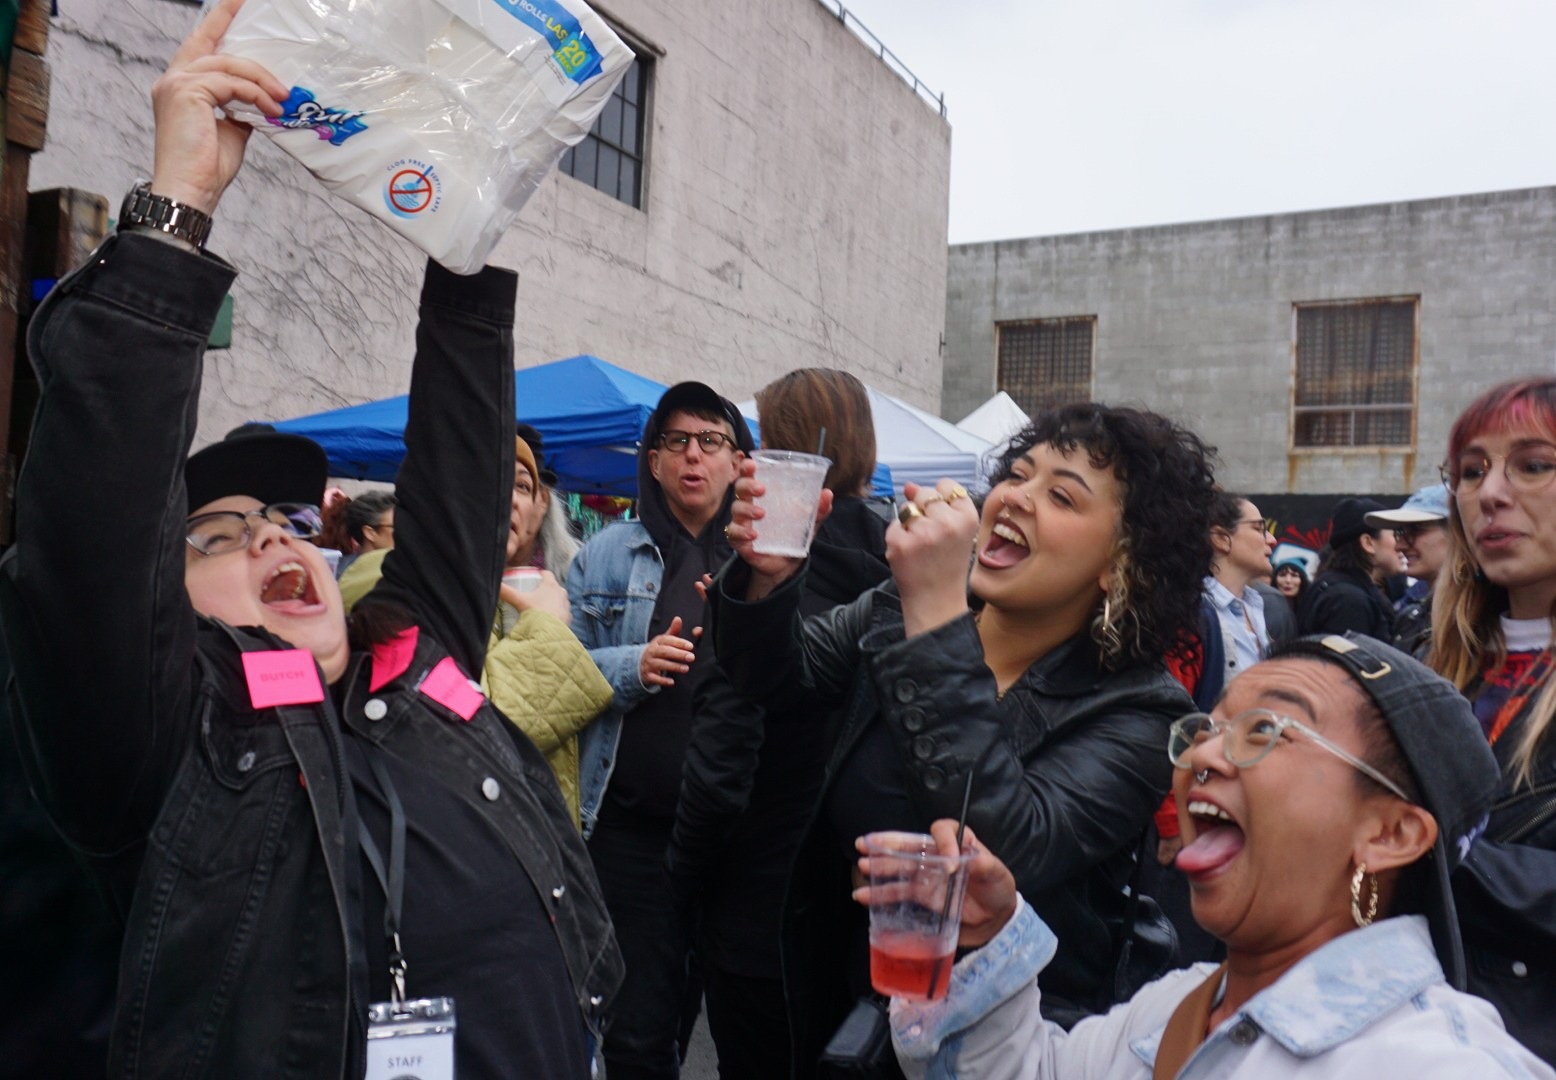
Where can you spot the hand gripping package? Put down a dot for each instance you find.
(439, 117)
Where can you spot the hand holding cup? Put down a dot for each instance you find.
(768, 571)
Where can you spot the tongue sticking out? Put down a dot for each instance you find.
(1212, 848)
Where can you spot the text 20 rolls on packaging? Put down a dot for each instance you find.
(440, 117)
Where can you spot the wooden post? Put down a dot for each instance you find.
(26, 119)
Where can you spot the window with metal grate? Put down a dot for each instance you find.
(1355, 373)
(1046, 362)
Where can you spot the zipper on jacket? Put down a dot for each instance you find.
(1537, 817)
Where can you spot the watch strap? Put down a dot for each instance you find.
(145, 209)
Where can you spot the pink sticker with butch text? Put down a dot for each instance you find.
(447, 685)
(282, 677)
(392, 658)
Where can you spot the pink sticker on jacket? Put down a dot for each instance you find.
(392, 658)
(282, 677)
(447, 685)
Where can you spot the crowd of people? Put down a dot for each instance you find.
(422, 773)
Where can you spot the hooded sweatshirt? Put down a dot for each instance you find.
(647, 777)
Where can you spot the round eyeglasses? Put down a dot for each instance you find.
(1248, 738)
(222, 531)
(1528, 468)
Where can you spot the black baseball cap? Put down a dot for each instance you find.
(260, 462)
(696, 397)
(1349, 519)
(536, 443)
(1450, 760)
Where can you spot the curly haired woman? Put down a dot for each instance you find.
(1052, 700)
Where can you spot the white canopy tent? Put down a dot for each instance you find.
(918, 446)
(996, 420)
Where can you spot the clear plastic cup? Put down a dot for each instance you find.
(915, 911)
(523, 579)
(793, 482)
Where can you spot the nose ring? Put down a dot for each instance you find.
(1201, 775)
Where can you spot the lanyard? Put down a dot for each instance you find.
(393, 883)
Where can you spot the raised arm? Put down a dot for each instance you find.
(776, 657)
(95, 614)
(454, 490)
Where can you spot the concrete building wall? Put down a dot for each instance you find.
(1196, 321)
(794, 215)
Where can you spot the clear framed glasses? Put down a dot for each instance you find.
(222, 531)
(1248, 738)
(1531, 467)
(711, 441)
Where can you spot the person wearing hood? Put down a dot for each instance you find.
(636, 608)
(753, 779)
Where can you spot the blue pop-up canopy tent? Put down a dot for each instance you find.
(589, 412)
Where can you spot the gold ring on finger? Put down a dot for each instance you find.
(908, 512)
(957, 492)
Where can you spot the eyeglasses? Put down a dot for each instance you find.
(1248, 738)
(222, 531)
(1406, 534)
(711, 441)
(1529, 468)
(1258, 523)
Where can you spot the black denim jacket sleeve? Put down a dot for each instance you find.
(94, 608)
(451, 495)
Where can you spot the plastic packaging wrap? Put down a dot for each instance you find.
(439, 117)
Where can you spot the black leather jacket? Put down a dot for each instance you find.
(1506, 898)
(225, 836)
(1069, 765)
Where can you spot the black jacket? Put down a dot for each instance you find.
(751, 781)
(1506, 898)
(1341, 600)
(225, 835)
(1069, 765)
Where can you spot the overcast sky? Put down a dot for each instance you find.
(1074, 115)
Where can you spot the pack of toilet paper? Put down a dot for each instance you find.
(439, 117)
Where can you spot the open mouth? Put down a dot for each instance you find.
(289, 589)
(1006, 547)
(1495, 539)
(1218, 839)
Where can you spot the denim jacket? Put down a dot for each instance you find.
(613, 585)
(1373, 1002)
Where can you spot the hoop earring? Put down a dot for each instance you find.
(1104, 630)
(1363, 921)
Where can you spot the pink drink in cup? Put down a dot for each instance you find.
(793, 482)
(522, 578)
(915, 913)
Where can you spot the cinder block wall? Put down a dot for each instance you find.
(1196, 320)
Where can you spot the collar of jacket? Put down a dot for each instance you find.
(1336, 992)
(1071, 670)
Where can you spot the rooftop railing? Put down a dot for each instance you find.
(889, 58)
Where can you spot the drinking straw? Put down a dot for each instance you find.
(945, 911)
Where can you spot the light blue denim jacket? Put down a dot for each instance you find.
(1371, 1003)
(612, 585)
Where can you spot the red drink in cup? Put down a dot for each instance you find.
(915, 913)
(908, 965)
